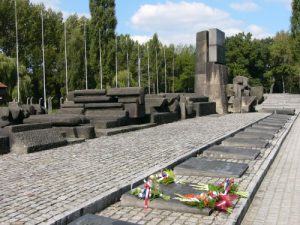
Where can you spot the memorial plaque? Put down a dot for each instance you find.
(210, 168)
(90, 219)
(266, 127)
(264, 136)
(223, 152)
(245, 142)
(260, 130)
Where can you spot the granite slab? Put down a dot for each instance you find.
(210, 168)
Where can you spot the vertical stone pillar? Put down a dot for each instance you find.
(211, 73)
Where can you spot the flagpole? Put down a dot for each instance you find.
(85, 57)
(156, 71)
(149, 88)
(66, 59)
(116, 61)
(17, 51)
(127, 62)
(165, 69)
(43, 51)
(173, 71)
(100, 62)
(139, 65)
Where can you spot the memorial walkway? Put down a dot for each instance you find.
(44, 187)
(277, 200)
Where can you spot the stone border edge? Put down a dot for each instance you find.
(237, 216)
(113, 195)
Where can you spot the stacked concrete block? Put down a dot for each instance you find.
(133, 99)
(28, 138)
(240, 96)
(211, 74)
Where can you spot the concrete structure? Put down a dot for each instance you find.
(211, 73)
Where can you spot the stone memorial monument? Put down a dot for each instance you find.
(2, 91)
(211, 73)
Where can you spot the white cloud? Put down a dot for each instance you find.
(53, 4)
(258, 32)
(56, 6)
(178, 23)
(141, 38)
(245, 6)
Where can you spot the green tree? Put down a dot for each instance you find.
(103, 20)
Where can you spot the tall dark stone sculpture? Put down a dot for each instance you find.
(211, 73)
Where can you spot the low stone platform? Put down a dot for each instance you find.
(245, 142)
(223, 152)
(70, 181)
(261, 131)
(245, 134)
(210, 168)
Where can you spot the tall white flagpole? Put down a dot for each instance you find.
(66, 59)
(44, 69)
(139, 65)
(17, 52)
(149, 88)
(100, 62)
(127, 62)
(157, 88)
(85, 57)
(116, 61)
(165, 69)
(173, 68)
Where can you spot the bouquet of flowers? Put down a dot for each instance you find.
(219, 196)
(151, 187)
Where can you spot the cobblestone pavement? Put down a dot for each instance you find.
(277, 200)
(36, 187)
(164, 217)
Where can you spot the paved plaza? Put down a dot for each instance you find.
(277, 200)
(43, 187)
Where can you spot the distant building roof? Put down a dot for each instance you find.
(2, 85)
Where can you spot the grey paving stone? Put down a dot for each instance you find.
(208, 167)
(98, 220)
(272, 123)
(245, 134)
(245, 142)
(223, 152)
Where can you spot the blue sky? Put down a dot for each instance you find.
(177, 21)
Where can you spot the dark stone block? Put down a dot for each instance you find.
(216, 37)
(210, 168)
(216, 54)
(86, 132)
(284, 111)
(4, 113)
(57, 120)
(109, 113)
(204, 108)
(109, 123)
(264, 136)
(36, 140)
(155, 103)
(93, 99)
(164, 117)
(201, 51)
(70, 104)
(4, 145)
(129, 91)
(76, 111)
(195, 98)
(90, 219)
(245, 142)
(135, 110)
(89, 92)
(27, 127)
(223, 152)
(104, 105)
